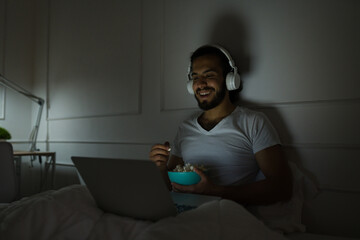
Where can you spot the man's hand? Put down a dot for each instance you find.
(159, 154)
(202, 187)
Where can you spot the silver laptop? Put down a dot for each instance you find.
(133, 188)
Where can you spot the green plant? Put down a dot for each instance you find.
(4, 134)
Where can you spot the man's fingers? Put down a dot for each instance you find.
(182, 188)
(201, 173)
(159, 149)
(164, 147)
(159, 152)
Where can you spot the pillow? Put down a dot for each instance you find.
(285, 217)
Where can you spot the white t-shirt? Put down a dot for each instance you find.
(227, 150)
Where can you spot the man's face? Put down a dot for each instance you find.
(208, 81)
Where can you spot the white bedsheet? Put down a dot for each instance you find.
(71, 213)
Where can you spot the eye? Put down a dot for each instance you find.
(210, 76)
(195, 78)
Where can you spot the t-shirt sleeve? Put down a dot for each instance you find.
(264, 134)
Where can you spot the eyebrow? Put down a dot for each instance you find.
(206, 71)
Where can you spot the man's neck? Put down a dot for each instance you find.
(210, 118)
(222, 110)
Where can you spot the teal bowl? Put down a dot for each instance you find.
(184, 178)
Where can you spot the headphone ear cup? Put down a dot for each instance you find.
(232, 81)
(189, 86)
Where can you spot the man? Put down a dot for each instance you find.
(237, 145)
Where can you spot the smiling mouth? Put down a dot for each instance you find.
(204, 92)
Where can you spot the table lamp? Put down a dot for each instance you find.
(14, 86)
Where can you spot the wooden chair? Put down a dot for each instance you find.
(8, 181)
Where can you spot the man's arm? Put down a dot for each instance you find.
(160, 155)
(277, 186)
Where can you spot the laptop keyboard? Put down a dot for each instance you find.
(181, 208)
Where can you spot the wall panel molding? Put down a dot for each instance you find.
(307, 71)
(92, 142)
(334, 169)
(290, 146)
(130, 113)
(95, 65)
(262, 106)
(305, 103)
(309, 145)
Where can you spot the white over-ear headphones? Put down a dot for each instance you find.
(232, 78)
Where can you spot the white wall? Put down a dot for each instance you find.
(114, 75)
(16, 49)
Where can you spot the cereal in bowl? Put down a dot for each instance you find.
(188, 167)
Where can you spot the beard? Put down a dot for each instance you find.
(219, 96)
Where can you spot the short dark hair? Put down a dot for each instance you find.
(214, 51)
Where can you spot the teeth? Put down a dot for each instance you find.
(204, 93)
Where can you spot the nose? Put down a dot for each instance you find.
(200, 82)
(199, 85)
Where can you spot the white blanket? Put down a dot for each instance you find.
(71, 213)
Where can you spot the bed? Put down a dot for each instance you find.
(71, 213)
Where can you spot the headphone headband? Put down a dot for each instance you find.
(226, 53)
